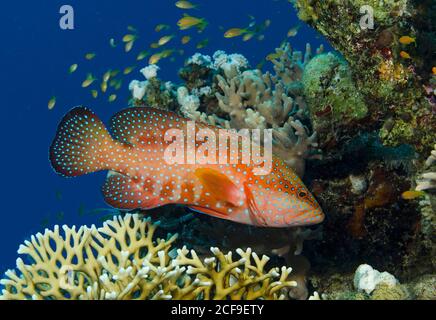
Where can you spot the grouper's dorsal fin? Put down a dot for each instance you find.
(139, 124)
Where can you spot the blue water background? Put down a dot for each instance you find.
(34, 59)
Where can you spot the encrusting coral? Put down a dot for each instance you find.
(123, 260)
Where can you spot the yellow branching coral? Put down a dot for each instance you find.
(122, 260)
(236, 279)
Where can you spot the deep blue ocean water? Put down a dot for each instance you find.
(34, 59)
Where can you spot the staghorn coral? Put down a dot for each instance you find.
(235, 279)
(284, 246)
(123, 260)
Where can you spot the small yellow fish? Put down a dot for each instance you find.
(73, 68)
(412, 194)
(107, 75)
(404, 55)
(234, 32)
(103, 86)
(51, 103)
(114, 73)
(112, 43)
(188, 22)
(154, 59)
(272, 56)
(154, 45)
(161, 27)
(90, 56)
(407, 40)
(128, 70)
(433, 70)
(248, 36)
(186, 39)
(94, 93)
(116, 83)
(88, 81)
(293, 31)
(185, 5)
(164, 40)
(167, 53)
(129, 38)
(112, 98)
(129, 45)
(142, 55)
(202, 44)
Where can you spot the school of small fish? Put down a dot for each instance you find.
(159, 49)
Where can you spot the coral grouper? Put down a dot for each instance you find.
(141, 177)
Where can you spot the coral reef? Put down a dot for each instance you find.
(392, 87)
(356, 123)
(123, 260)
(321, 105)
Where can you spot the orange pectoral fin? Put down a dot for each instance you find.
(219, 185)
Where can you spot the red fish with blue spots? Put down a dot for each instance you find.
(140, 177)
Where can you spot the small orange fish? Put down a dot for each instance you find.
(407, 40)
(412, 194)
(433, 70)
(140, 177)
(404, 55)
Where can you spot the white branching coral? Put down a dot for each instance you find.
(150, 71)
(138, 89)
(200, 59)
(123, 260)
(190, 103)
(427, 181)
(231, 64)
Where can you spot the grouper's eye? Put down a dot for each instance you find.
(302, 194)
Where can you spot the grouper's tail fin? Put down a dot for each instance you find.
(81, 144)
